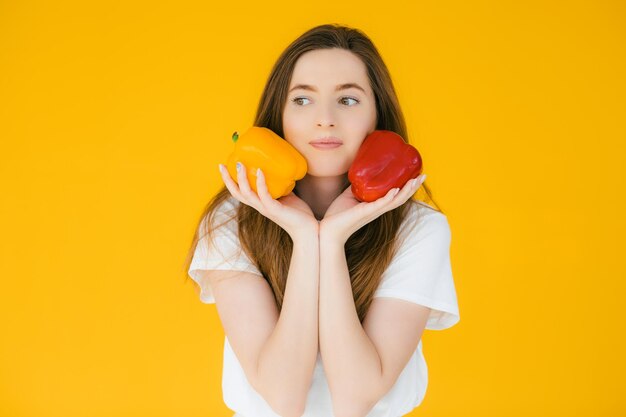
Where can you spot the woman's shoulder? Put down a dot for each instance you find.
(421, 211)
(228, 205)
(422, 217)
(224, 214)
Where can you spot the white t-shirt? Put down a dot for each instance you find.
(420, 273)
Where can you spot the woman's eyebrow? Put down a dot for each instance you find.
(338, 88)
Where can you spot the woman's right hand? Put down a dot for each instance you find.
(289, 212)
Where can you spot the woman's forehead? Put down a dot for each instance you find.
(328, 69)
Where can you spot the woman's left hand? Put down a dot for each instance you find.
(346, 214)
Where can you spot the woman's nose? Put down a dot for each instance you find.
(326, 117)
(325, 124)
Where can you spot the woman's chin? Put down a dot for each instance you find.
(326, 173)
(329, 169)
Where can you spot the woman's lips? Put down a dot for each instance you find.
(322, 145)
(329, 142)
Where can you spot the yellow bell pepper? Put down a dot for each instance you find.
(281, 163)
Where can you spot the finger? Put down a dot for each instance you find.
(397, 196)
(244, 185)
(410, 188)
(382, 201)
(231, 184)
(394, 198)
(261, 186)
(372, 210)
(417, 182)
(391, 194)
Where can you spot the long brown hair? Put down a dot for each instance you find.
(370, 249)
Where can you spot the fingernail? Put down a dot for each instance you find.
(238, 166)
(219, 166)
(258, 172)
(424, 178)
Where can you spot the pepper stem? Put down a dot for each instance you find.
(235, 136)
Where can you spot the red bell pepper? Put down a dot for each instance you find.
(384, 161)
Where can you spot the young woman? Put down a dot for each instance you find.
(323, 298)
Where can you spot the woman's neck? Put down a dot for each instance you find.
(320, 192)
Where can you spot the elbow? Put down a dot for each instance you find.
(286, 404)
(353, 408)
(352, 411)
(287, 407)
(286, 395)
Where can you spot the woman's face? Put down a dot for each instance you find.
(324, 100)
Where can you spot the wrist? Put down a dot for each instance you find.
(306, 233)
(328, 237)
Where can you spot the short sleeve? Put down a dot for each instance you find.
(421, 271)
(224, 253)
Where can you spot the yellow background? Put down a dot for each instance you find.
(114, 116)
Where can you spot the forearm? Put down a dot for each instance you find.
(351, 362)
(287, 360)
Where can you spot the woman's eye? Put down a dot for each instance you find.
(298, 102)
(350, 98)
(295, 100)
